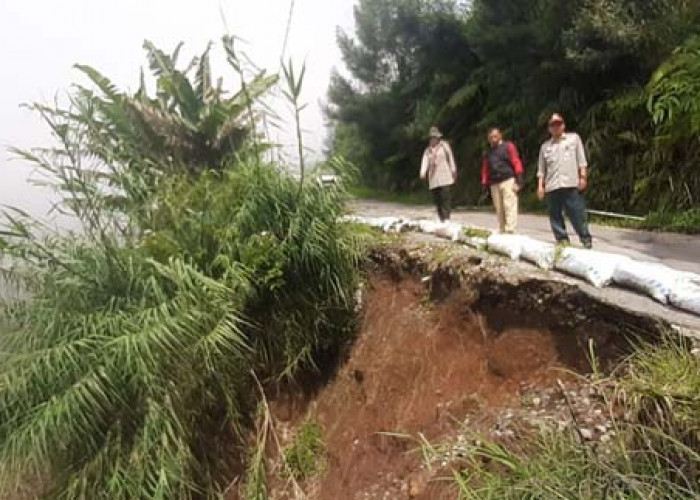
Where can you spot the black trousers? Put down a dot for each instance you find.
(442, 197)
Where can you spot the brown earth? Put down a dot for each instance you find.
(421, 367)
(453, 347)
(418, 368)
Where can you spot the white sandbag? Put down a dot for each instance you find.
(428, 227)
(655, 280)
(597, 268)
(376, 222)
(449, 231)
(387, 224)
(686, 293)
(356, 219)
(474, 242)
(509, 245)
(539, 253)
(396, 226)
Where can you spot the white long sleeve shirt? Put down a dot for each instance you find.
(439, 165)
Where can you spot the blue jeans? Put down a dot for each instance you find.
(571, 202)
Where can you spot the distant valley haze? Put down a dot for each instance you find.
(41, 41)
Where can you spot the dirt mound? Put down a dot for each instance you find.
(420, 368)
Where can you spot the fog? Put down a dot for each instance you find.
(41, 40)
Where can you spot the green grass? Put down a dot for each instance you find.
(472, 232)
(687, 222)
(305, 457)
(653, 455)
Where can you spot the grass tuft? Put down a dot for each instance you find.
(305, 456)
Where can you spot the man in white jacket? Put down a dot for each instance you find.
(439, 168)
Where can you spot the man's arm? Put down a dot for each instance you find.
(484, 171)
(516, 162)
(451, 160)
(424, 166)
(582, 163)
(541, 172)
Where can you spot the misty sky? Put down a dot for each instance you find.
(41, 40)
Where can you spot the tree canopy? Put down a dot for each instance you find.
(622, 73)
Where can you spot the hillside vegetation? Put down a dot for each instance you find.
(624, 73)
(201, 271)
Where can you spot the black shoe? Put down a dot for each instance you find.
(588, 245)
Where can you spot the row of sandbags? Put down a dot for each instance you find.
(662, 283)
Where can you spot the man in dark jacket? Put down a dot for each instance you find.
(502, 173)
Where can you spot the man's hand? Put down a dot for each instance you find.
(485, 192)
(519, 183)
(582, 183)
(540, 192)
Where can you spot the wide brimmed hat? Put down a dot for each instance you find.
(435, 133)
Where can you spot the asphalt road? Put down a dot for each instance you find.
(678, 251)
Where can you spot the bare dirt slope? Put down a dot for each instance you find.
(450, 348)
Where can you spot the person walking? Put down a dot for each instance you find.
(438, 167)
(502, 173)
(562, 174)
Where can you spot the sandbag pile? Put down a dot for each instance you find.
(655, 280)
(597, 268)
(510, 245)
(537, 252)
(686, 293)
(600, 269)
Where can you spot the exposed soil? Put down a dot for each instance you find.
(445, 348)
(418, 368)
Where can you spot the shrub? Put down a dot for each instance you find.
(128, 373)
(304, 457)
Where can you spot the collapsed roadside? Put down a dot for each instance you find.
(471, 378)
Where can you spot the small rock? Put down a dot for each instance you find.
(587, 434)
(536, 402)
(417, 484)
